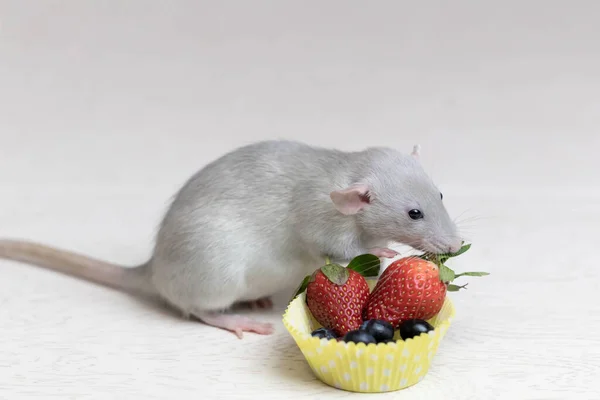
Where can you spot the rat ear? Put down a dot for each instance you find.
(352, 199)
(416, 152)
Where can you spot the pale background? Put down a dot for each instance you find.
(106, 107)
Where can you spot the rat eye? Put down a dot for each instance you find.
(415, 214)
(441, 196)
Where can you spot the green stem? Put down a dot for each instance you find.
(327, 260)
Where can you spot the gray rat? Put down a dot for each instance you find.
(263, 216)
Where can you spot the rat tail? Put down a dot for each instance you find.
(129, 279)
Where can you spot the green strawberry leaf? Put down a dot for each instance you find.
(472, 274)
(302, 286)
(368, 265)
(442, 258)
(456, 288)
(336, 273)
(446, 274)
(462, 250)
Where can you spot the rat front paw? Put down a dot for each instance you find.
(383, 252)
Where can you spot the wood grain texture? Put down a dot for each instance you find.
(105, 111)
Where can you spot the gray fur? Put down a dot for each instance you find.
(260, 218)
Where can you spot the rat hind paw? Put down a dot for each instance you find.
(234, 323)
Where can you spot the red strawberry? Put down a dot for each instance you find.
(336, 296)
(414, 288)
(409, 288)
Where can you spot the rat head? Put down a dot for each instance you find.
(393, 199)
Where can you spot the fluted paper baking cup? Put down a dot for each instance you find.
(357, 367)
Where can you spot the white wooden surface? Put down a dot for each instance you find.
(107, 107)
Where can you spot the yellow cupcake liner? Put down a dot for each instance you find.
(357, 367)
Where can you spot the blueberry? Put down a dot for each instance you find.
(359, 336)
(324, 333)
(379, 329)
(414, 327)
